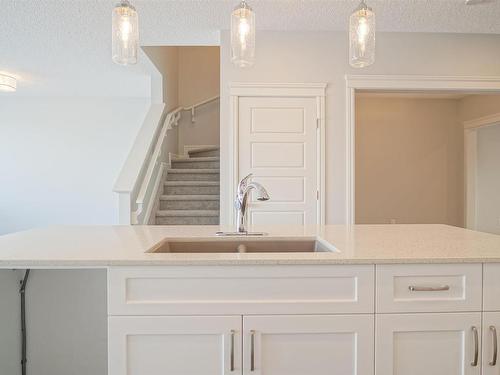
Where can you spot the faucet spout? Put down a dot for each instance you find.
(241, 202)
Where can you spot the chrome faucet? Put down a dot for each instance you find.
(241, 202)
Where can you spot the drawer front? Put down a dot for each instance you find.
(240, 290)
(429, 288)
(491, 293)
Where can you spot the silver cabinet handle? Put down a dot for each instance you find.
(443, 288)
(252, 350)
(233, 332)
(476, 347)
(493, 331)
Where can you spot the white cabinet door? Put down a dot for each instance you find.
(430, 344)
(491, 332)
(278, 143)
(308, 344)
(174, 345)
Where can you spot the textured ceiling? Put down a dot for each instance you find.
(44, 40)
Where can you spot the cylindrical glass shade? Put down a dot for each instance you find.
(243, 35)
(362, 37)
(125, 33)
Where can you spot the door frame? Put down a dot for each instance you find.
(401, 83)
(302, 90)
(470, 164)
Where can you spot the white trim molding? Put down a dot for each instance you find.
(482, 121)
(402, 83)
(242, 89)
(471, 128)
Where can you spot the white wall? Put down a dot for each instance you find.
(199, 79)
(190, 74)
(166, 61)
(323, 57)
(488, 179)
(60, 157)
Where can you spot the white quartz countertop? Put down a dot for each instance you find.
(103, 246)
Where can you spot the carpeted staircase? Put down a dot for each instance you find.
(191, 190)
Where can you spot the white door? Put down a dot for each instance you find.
(430, 344)
(491, 333)
(308, 344)
(278, 143)
(174, 345)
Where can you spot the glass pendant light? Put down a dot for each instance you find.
(362, 36)
(125, 33)
(243, 35)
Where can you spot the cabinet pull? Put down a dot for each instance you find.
(493, 331)
(428, 288)
(233, 332)
(476, 347)
(252, 350)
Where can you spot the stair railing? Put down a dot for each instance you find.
(141, 211)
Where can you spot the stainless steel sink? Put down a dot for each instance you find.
(239, 246)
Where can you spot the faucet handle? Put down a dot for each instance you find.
(243, 183)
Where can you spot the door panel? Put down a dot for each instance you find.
(430, 344)
(308, 344)
(278, 143)
(175, 345)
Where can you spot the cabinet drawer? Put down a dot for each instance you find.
(240, 290)
(429, 288)
(491, 293)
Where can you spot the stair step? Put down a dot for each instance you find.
(209, 162)
(193, 174)
(195, 213)
(205, 151)
(187, 217)
(191, 188)
(189, 202)
(192, 183)
(192, 160)
(198, 197)
(187, 220)
(190, 170)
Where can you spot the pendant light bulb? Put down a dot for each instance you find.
(362, 36)
(125, 31)
(243, 35)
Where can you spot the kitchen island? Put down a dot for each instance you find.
(104, 246)
(379, 299)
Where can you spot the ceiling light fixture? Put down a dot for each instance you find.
(125, 30)
(8, 83)
(362, 36)
(243, 35)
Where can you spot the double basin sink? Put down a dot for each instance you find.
(239, 246)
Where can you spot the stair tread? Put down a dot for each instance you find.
(192, 183)
(162, 213)
(204, 149)
(196, 159)
(191, 170)
(185, 197)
